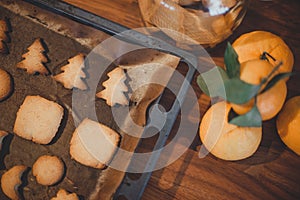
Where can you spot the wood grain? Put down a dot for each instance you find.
(125, 12)
(273, 172)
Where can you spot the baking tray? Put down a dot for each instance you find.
(133, 189)
(23, 152)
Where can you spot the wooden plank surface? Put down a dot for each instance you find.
(273, 172)
(125, 12)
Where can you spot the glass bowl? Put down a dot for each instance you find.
(205, 22)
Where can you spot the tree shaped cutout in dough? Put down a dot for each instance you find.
(34, 59)
(4, 39)
(115, 88)
(72, 75)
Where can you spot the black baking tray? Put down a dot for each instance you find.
(131, 189)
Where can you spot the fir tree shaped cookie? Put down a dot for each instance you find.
(72, 75)
(4, 29)
(34, 59)
(114, 88)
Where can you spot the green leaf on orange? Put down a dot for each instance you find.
(238, 91)
(275, 79)
(231, 62)
(250, 119)
(210, 81)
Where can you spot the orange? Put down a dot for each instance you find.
(270, 102)
(224, 140)
(254, 71)
(288, 122)
(252, 45)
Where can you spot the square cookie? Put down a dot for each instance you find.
(93, 144)
(38, 119)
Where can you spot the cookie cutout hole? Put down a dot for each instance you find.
(134, 176)
(147, 143)
(121, 197)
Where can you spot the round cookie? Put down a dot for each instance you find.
(48, 170)
(5, 84)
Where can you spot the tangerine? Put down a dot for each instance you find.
(225, 140)
(252, 45)
(270, 102)
(288, 122)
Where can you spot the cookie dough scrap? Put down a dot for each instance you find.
(72, 75)
(3, 134)
(38, 119)
(93, 144)
(34, 60)
(4, 39)
(6, 84)
(64, 195)
(11, 180)
(115, 88)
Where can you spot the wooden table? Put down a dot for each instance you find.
(273, 172)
